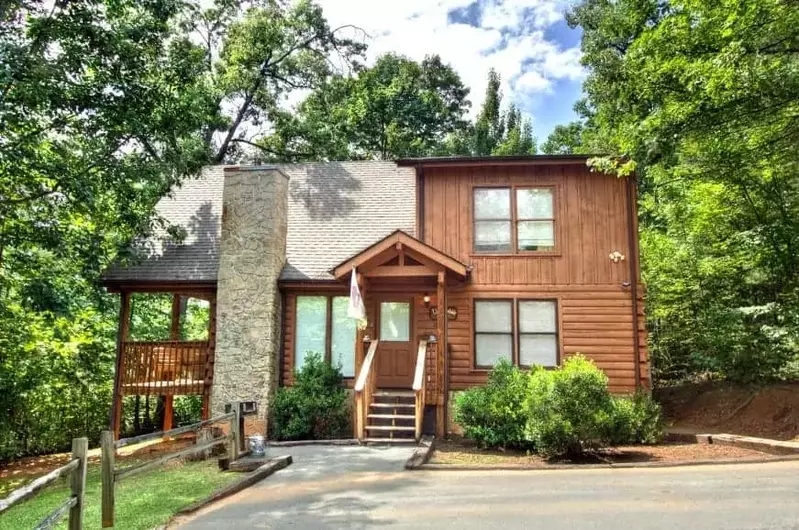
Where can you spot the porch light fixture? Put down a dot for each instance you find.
(432, 339)
(426, 300)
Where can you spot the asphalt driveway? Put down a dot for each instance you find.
(362, 487)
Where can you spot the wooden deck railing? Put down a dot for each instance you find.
(419, 383)
(167, 367)
(76, 469)
(365, 387)
(111, 475)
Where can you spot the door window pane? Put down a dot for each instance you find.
(537, 316)
(490, 348)
(395, 321)
(311, 328)
(492, 203)
(538, 349)
(536, 235)
(342, 341)
(534, 203)
(493, 316)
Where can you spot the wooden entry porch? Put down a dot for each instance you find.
(398, 268)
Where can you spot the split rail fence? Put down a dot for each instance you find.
(76, 469)
(111, 475)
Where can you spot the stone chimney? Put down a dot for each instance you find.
(252, 252)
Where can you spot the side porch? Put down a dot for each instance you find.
(167, 356)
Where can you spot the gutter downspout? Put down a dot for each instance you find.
(632, 243)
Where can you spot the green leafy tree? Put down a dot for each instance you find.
(104, 106)
(396, 108)
(564, 140)
(489, 128)
(699, 98)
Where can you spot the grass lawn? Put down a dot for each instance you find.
(142, 502)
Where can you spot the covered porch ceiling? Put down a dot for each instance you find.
(401, 256)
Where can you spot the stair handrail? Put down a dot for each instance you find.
(419, 380)
(364, 390)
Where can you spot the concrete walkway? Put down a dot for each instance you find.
(318, 472)
(378, 493)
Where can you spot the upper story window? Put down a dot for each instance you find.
(511, 220)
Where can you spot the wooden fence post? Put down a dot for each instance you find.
(77, 483)
(236, 428)
(108, 457)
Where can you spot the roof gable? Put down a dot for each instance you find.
(397, 242)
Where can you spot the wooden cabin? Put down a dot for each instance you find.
(460, 262)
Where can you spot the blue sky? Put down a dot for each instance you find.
(527, 41)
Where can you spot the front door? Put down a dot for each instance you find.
(395, 362)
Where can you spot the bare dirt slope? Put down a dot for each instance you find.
(766, 411)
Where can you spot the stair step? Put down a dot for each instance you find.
(393, 405)
(392, 416)
(390, 428)
(395, 393)
(390, 440)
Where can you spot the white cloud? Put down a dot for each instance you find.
(510, 39)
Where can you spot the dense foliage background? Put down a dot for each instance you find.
(105, 105)
(701, 99)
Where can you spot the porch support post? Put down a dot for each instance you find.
(122, 337)
(360, 354)
(441, 347)
(174, 328)
(209, 361)
(174, 334)
(359, 351)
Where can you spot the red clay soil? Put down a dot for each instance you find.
(768, 412)
(461, 452)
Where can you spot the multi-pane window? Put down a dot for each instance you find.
(493, 331)
(512, 220)
(492, 220)
(333, 337)
(525, 337)
(538, 332)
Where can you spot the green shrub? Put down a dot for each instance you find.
(557, 412)
(568, 409)
(635, 419)
(314, 408)
(494, 415)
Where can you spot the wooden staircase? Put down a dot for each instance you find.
(391, 418)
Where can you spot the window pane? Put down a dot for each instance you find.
(536, 235)
(492, 236)
(311, 324)
(534, 203)
(491, 348)
(493, 316)
(537, 317)
(395, 321)
(492, 203)
(342, 342)
(538, 349)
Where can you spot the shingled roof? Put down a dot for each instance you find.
(335, 209)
